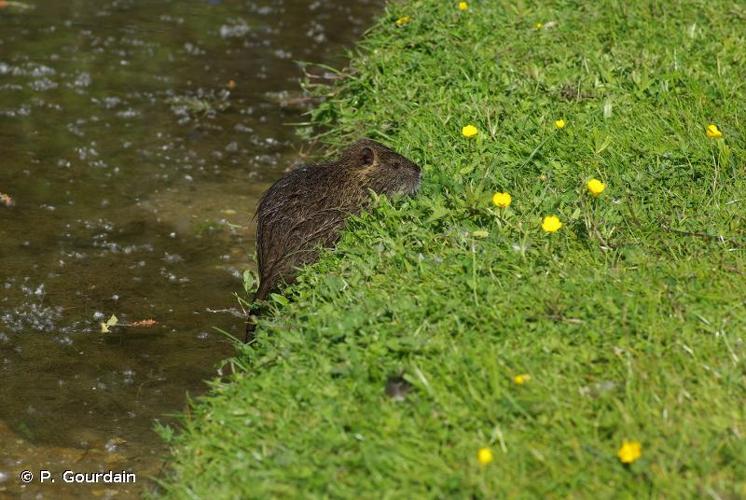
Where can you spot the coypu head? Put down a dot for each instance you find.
(381, 169)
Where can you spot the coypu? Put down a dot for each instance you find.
(307, 208)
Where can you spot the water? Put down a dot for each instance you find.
(135, 138)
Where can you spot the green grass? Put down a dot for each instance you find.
(630, 319)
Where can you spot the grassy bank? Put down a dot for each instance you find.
(628, 321)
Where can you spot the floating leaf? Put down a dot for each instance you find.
(109, 323)
(145, 323)
(16, 5)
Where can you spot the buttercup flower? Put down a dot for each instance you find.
(403, 21)
(538, 26)
(629, 452)
(484, 456)
(469, 131)
(551, 223)
(521, 379)
(713, 132)
(595, 187)
(560, 123)
(502, 200)
(463, 6)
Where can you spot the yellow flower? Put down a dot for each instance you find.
(403, 21)
(484, 456)
(521, 379)
(713, 132)
(629, 452)
(538, 26)
(480, 233)
(595, 187)
(463, 6)
(469, 131)
(551, 223)
(502, 200)
(560, 123)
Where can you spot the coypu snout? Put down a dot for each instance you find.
(307, 209)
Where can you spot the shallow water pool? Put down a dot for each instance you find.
(135, 138)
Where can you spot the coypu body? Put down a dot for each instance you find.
(308, 207)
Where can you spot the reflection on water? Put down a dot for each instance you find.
(135, 137)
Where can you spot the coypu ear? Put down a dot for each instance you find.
(362, 154)
(366, 156)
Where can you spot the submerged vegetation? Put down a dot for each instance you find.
(565, 297)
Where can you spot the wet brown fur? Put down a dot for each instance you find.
(307, 209)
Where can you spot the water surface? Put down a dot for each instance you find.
(135, 137)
